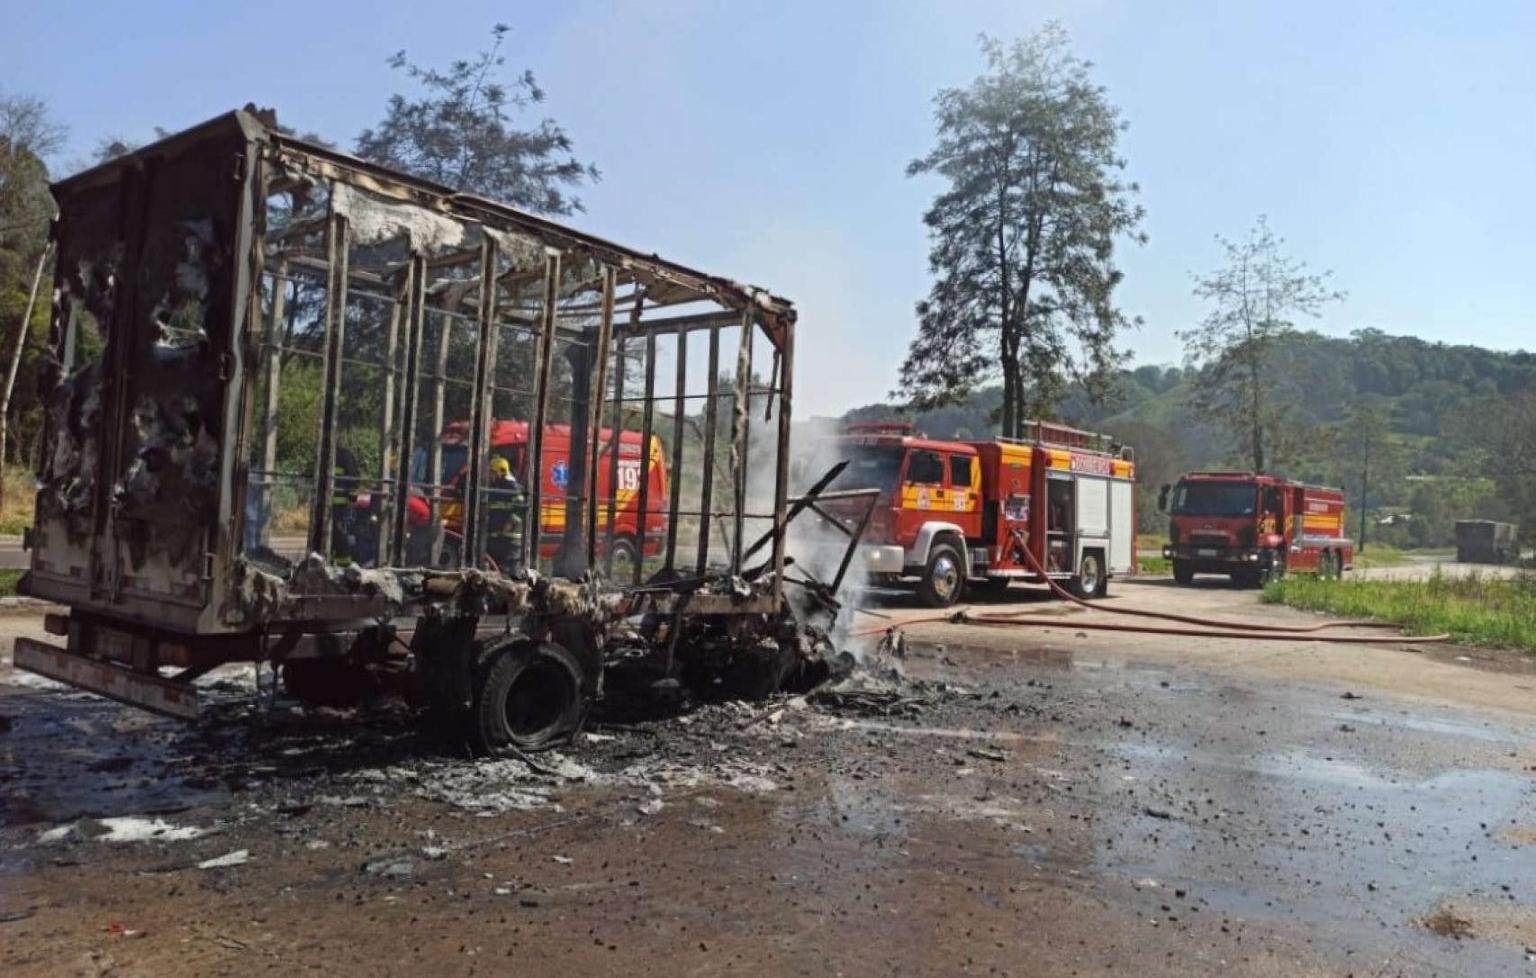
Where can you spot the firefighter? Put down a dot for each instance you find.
(344, 487)
(503, 521)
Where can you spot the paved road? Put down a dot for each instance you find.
(1057, 801)
(12, 557)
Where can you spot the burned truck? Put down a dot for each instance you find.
(257, 345)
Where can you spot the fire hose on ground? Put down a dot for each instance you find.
(1210, 627)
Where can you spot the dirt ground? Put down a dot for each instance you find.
(1040, 801)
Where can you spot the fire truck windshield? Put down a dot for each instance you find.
(454, 457)
(1214, 499)
(870, 467)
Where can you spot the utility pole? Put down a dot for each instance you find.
(1365, 488)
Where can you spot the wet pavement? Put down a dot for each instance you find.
(1037, 802)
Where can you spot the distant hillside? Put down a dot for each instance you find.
(1421, 388)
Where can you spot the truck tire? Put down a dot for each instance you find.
(528, 696)
(1327, 569)
(1090, 580)
(943, 580)
(1182, 572)
(624, 556)
(1275, 571)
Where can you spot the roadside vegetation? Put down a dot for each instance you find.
(1476, 608)
(20, 496)
(1382, 555)
(1154, 565)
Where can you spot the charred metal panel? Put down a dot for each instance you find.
(145, 299)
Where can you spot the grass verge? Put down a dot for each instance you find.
(1154, 565)
(1472, 608)
(8, 579)
(1381, 555)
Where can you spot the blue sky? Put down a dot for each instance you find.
(1393, 143)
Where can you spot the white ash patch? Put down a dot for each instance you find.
(126, 828)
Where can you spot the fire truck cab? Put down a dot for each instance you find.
(958, 514)
(1253, 527)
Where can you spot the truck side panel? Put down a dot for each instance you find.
(145, 285)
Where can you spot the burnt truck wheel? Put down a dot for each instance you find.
(528, 696)
(1090, 581)
(943, 578)
(1182, 572)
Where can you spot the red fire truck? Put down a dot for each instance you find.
(509, 440)
(1253, 528)
(958, 514)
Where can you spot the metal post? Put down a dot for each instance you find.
(643, 511)
(616, 438)
(741, 421)
(480, 408)
(416, 285)
(785, 355)
(276, 334)
(706, 490)
(534, 524)
(1365, 488)
(679, 406)
(570, 558)
(335, 344)
(439, 422)
(595, 410)
(388, 450)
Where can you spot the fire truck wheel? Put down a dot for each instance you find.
(1275, 571)
(1329, 565)
(625, 555)
(527, 697)
(1182, 572)
(944, 578)
(1090, 581)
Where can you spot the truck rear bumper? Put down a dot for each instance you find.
(154, 693)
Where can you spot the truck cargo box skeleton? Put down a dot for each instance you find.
(251, 331)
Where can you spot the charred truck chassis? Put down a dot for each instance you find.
(258, 347)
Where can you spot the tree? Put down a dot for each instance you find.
(460, 134)
(1160, 460)
(1253, 300)
(28, 135)
(1022, 238)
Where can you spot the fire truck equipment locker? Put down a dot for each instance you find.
(1122, 522)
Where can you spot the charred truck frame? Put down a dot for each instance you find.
(258, 345)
